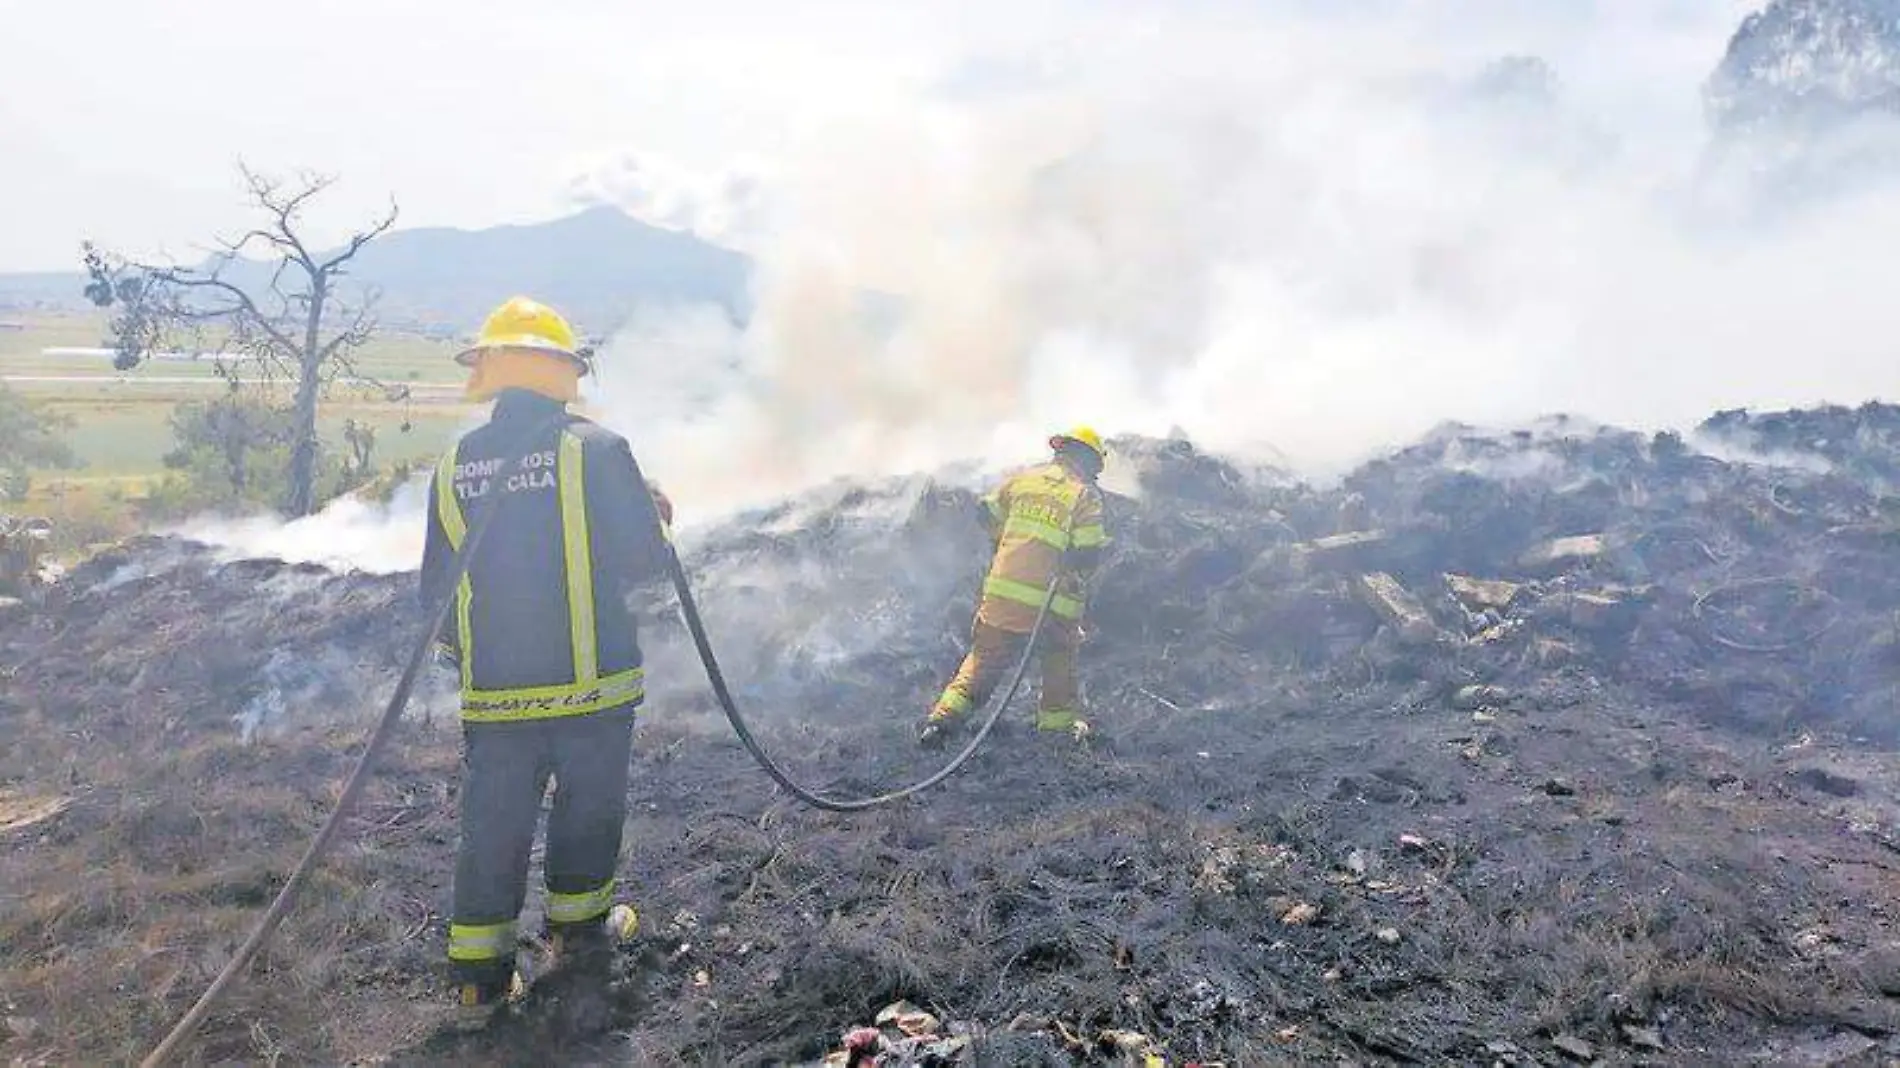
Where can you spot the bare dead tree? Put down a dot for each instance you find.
(299, 323)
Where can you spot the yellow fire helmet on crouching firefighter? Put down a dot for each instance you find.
(1081, 435)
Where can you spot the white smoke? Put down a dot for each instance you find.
(349, 534)
(1281, 229)
(1314, 233)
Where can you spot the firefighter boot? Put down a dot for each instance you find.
(1063, 721)
(476, 1003)
(590, 946)
(939, 727)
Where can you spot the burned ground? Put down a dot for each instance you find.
(1523, 748)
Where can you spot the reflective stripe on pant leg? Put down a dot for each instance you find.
(950, 703)
(990, 655)
(1061, 606)
(471, 943)
(502, 781)
(589, 815)
(582, 907)
(1055, 719)
(955, 699)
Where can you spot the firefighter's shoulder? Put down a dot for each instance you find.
(596, 439)
(1034, 475)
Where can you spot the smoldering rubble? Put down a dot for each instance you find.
(1555, 745)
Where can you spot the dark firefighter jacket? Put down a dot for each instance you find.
(541, 626)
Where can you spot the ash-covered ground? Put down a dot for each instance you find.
(1554, 746)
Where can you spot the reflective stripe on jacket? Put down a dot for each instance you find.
(1028, 514)
(540, 626)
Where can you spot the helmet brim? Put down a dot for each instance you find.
(1057, 441)
(468, 356)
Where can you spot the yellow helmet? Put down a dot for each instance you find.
(1083, 435)
(521, 323)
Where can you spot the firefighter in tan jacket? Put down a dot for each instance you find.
(1028, 516)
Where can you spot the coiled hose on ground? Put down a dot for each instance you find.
(392, 713)
(690, 611)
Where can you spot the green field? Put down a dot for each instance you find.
(121, 420)
(393, 358)
(127, 438)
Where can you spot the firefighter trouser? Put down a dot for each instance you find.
(994, 653)
(506, 767)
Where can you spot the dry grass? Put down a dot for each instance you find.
(124, 907)
(1309, 858)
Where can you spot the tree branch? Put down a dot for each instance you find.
(361, 327)
(244, 306)
(155, 304)
(358, 240)
(284, 211)
(284, 246)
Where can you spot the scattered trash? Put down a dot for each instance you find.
(1339, 548)
(1475, 698)
(1126, 1041)
(1480, 594)
(908, 1018)
(906, 1036)
(1158, 699)
(1642, 1037)
(1563, 552)
(1300, 915)
(1397, 606)
(21, 811)
(1572, 1046)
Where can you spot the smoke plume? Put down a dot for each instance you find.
(1285, 231)
(1308, 236)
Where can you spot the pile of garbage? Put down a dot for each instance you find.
(1509, 747)
(1745, 576)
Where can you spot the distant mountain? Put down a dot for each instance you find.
(1799, 61)
(597, 267)
(42, 289)
(1805, 104)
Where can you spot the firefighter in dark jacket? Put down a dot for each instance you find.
(545, 645)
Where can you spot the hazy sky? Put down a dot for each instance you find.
(1283, 226)
(122, 119)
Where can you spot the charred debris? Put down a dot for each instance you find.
(1559, 745)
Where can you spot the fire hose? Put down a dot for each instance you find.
(405, 685)
(726, 704)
